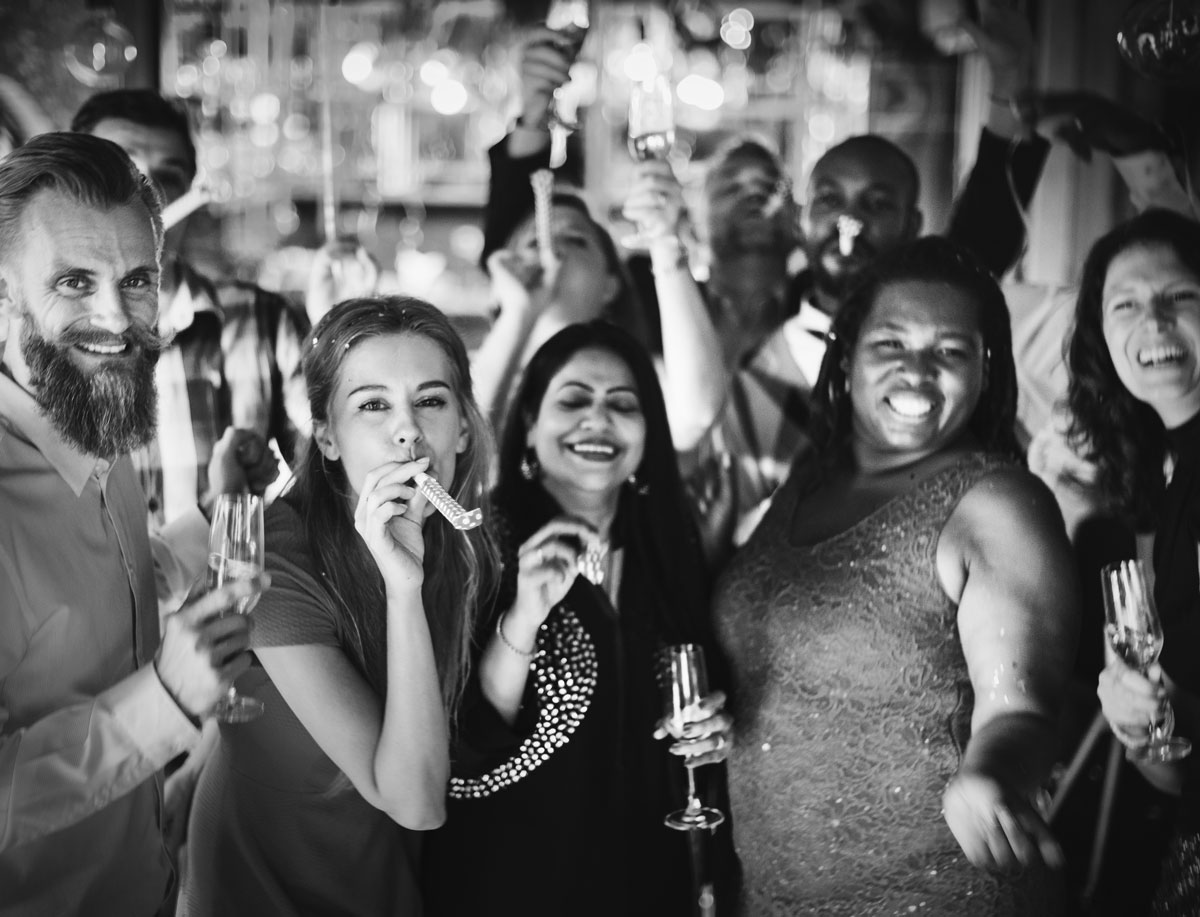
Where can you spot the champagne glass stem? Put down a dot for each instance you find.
(693, 802)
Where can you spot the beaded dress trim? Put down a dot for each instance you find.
(565, 670)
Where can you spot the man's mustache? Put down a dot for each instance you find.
(136, 336)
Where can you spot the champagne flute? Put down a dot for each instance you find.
(651, 131)
(683, 678)
(235, 551)
(1135, 634)
(570, 19)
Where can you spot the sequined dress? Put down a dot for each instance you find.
(562, 812)
(852, 708)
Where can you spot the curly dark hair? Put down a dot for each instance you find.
(1124, 437)
(930, 259)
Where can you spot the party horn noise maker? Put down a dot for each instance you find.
(462, 519)
(848, 228)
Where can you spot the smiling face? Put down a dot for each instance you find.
(916, 373)
(585, 284)
(1151, 322)
(81, 294)
(873, 186)
(590, 433)
(393, 402)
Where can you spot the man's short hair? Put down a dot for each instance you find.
(86, 169)
(875, 144)
(141, 106)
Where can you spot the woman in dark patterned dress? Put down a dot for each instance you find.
(560, 784)
(902, 624)
(1135, 398)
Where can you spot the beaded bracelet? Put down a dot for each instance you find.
(503, 639)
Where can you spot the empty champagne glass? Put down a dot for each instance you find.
(570, 19)
(651, 131)
(1133, 631)
(235, 551)
(683, 678)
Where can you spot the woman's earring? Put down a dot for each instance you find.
(530, 466)
(638, 488)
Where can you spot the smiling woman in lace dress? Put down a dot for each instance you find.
(902, 623)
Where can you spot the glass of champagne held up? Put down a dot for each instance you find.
(1134, 633)
(235, 551)
(683, 679)
(651, 131)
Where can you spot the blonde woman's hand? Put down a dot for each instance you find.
(390, 517)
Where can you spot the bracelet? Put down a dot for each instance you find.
(676, 258)
(503, 639)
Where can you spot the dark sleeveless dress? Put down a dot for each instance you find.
(853, 706)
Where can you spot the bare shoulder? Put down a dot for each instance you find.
(1003, 501)
(1007, 525)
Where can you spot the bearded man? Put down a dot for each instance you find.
(92, 703)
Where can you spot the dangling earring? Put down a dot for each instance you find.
(987, 366)
(530, 466)
(640, 489)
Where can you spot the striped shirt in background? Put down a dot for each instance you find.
(234, 359)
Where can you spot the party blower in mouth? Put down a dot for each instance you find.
(462, 519)
(848, 228)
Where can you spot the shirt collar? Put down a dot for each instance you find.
(810, 318)
(191, 296)
(26, 418)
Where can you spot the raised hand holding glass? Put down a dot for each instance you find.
(651, 131)
(570, 19)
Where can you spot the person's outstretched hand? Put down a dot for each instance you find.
(655, 202)
(545, 66)
(998, 830)
(1004, 37)
(241, 461)
(1087, 122)
(342, 270)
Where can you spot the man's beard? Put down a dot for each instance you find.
(837, 285)
(108, 412)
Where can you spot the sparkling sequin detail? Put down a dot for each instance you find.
(592, 562)
(565, 668)
(1178, 893)
(853, 706)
